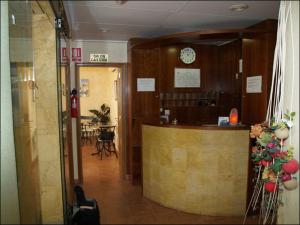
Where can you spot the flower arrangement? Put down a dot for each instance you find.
(286, 122)
(273, 159)
(274, 164)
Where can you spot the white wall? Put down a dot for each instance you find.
(9, 190)
(117, 53)
(116, 50)
(101, 91)
(289, 213)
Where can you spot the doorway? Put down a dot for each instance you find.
(100, 85)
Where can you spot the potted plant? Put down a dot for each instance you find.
(281, 128)
(102, 115)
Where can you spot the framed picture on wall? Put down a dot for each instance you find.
(187, 78)
(84, 88)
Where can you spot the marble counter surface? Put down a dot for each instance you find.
(200, 126)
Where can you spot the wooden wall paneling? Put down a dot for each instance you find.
(229, 55)
(129, 109)
(230, 78)
(122, 90)
(218, 66)
(170, 61)
(205, 56)
(258, 53)
(144, 105)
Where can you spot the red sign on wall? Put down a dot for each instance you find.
(76, 54)
(64, 54)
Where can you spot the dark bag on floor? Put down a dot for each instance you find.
(85, 211)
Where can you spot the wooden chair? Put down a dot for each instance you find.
(105, 141)
(86, 133)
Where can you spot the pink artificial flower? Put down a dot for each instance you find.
(276, 154)
(271, 145)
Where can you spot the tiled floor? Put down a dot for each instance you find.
(122, 203)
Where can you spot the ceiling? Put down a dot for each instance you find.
(108, 20)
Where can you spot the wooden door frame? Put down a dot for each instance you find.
(69, 124)
(122, 159)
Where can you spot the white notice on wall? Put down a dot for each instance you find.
(185, 78)
(254, 84)
(145, 84)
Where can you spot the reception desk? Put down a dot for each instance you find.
(196, 169)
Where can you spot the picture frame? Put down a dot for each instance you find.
(187, 78)
(84, 88)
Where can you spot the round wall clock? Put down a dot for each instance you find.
(187, 55)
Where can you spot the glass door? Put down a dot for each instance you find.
(63, 73)
(24, 110)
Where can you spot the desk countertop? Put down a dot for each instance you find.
(199, 126)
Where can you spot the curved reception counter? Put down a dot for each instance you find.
(196, 169)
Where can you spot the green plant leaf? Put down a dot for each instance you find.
(265, 139)
(266, 156)
(102, 115)
(277, 165)
(293, 114)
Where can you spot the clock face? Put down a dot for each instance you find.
(187, 55)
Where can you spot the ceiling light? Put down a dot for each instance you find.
(121, 2)
(238, 7)
(104, 30)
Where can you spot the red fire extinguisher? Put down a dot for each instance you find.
(74, 104)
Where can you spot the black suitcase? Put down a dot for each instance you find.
(85, 211)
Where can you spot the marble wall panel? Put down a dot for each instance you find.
(44, 45)
(196, 171)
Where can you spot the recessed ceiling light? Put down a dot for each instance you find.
(238, 7)
(104, 30)
(121, 2)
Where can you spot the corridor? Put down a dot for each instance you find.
(122, 203)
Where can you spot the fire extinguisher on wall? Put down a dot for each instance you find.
(74, 104)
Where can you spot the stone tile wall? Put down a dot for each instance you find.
(196, 171)
(44, 45)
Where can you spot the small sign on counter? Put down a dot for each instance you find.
(254, 84)
(223, 121)
(145, 84)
